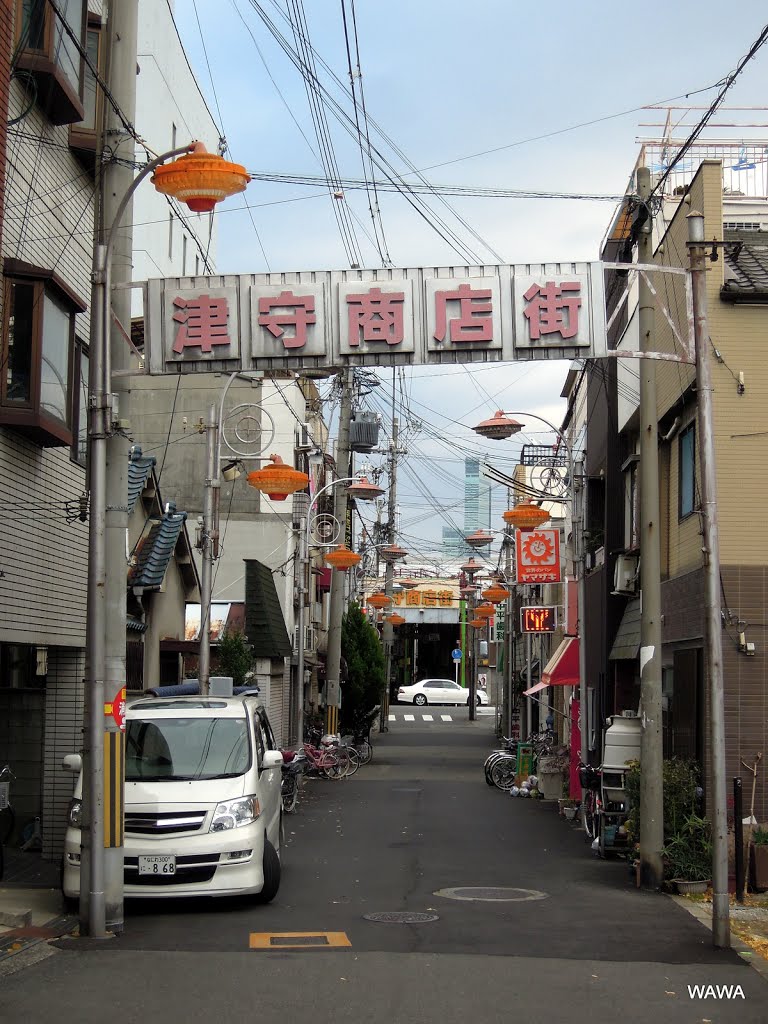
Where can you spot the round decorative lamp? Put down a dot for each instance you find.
(467, 592)
(379, 600)
(342, 558)
(485, 611)
(277, 480)
(363, 490)
(479, 538)
(471, 567)
(478, 623)
(392, 553)
(495, 594)
(407, 584)
(526, 516)
(200, 179)
(394, 619)
(498, 427)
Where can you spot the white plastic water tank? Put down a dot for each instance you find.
(622, 742)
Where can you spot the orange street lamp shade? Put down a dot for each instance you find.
(364, 491)
(479, 538)
(498, 427)
(379, 600)
(478, 623)
(485, 611)
(495, 594)
(471, 567)
(342, 558)
(392, 553)
(407, 584)
(200, 179)
(467, 591)
(394, 619)
(526, 516)
(278, 480)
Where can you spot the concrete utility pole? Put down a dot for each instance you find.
(388, 630)
(721, 934)
(509, 607)
(209, 545)
(651, 747)
(338, 579)
(101, 906)
(578, 492)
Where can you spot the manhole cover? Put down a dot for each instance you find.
(401, 917)
(491, 894)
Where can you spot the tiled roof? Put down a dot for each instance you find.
(627, 642)
(139, 470)
(154, 552)
(264, 622)
(746, 272)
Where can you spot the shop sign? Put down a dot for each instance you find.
(537, 556)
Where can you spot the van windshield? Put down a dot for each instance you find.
(186, 748)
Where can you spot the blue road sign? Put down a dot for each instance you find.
(456, 654)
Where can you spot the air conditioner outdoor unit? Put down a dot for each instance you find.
(625, 575)
(303, 437)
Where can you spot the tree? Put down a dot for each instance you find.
(364, 687)
(234, 656)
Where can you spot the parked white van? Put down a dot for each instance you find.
(202, 801)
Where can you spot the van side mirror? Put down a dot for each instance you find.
(271, 759)
(72, 763)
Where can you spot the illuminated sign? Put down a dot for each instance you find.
(538, 620)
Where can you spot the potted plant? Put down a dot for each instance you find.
(688, 855)
(570, 808)
(759, 859)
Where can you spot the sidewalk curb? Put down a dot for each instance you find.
(23, 937)
(748, 955)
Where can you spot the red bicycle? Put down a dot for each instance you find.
(326, 761)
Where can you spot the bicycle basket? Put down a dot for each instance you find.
(588, 777)
(5, 795)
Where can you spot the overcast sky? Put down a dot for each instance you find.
(516, 83)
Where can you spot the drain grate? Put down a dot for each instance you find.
(491, 894)
(401, 917)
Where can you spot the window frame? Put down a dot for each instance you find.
(689, 431)
(82, 137)
(28, 416)
(57, 95)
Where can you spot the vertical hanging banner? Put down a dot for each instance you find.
(384, 317)
(537, 556)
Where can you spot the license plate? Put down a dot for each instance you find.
(162, 864)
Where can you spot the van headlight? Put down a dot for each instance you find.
(75, 813)
(233, 813)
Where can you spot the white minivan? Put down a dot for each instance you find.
(202, 801)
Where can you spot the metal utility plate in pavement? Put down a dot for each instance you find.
(400, 917)
(491, 894)
(298, 940)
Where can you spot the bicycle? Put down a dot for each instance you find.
(325, 762)
(346, 753)
(292, 770)
(589, 778)
(500, 766)
(7, 815)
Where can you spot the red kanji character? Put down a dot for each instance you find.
(303, 307)
(473, 322)
(547, 315)
(379, 317)
(203, 323)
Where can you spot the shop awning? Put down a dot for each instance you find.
(562, 669)
(627, 642)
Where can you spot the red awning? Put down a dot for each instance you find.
(562, 669)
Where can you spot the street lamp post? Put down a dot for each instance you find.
(192, 185)
(500, 427)
(358, 488)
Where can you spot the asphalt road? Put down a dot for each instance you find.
(575, 942)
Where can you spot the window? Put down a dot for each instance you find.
(51, 55)
(80, 403)
(631, 505)
(84, 134)
(41, 392)
(687, 471)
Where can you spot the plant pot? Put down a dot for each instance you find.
(570, 813)
(759, 865)
(685, 888)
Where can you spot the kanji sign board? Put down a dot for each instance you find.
(323, 319)
(537, 556)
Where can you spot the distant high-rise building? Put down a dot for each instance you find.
(477, 511)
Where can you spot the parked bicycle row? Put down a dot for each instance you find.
(504, 769)
(328, 756)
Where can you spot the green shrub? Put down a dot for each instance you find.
(760, 837)
(364, 686)
(680, 780)
(688, 854)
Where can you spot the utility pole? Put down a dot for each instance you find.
(338, 579)
(721, 935)
(388, 630)
(578, 491)
(508, 627)
(209, 542)
(651, 747)
(101, 905)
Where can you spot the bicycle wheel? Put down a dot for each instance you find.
(353, 759)
(365, 750)
(504, 772)
(590, 814)
(335, 769)
(289, 792)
